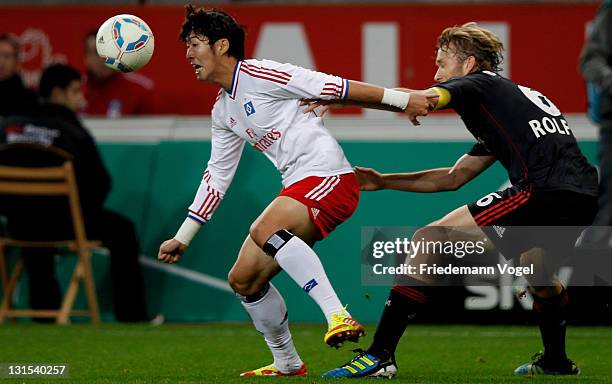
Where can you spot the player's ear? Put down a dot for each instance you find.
(222, 46)
(470, 65)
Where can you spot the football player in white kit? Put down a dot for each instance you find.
(259, 104)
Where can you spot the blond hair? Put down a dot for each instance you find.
(472, 40)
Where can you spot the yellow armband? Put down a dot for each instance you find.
(443, 99)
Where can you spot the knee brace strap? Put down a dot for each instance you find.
(276, 242)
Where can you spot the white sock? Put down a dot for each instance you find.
(269, 315)
(303, 265)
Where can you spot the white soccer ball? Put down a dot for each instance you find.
(125, 42)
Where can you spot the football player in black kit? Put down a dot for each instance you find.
(552, 185)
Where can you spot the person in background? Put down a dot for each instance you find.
(56, 124)
(15, 98)
(595, 67)
(113, 94)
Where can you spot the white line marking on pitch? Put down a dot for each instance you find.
(188, 274)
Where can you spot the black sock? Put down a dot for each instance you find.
(552, 321)
(401, 307)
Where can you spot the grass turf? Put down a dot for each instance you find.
(207, 353)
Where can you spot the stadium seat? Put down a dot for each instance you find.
(23, 185)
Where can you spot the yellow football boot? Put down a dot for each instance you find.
(271, 370)
(343, 327)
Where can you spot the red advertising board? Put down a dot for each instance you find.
(543, 42)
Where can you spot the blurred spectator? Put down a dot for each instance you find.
(596, 66)
(55, 123)
(15, 98)
(113, 94)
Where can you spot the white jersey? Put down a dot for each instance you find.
(262, 109)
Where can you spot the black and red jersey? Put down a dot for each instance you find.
(524, 130)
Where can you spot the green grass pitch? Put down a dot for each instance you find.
(217, 353)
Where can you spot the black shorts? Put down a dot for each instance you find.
(521, 217)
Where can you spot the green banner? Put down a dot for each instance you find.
(153, 184)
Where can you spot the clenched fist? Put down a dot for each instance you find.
(170, 251)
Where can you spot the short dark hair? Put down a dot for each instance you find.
(56, 75)
(215, 24)
(12, 40)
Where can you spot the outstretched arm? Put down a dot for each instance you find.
(431, 180)
(301, 83)
(412, 102)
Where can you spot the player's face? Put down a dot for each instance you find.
(449, 65)
(201, 56)
(8, 60)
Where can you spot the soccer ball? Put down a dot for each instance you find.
(125, 42)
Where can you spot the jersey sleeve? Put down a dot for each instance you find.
(224, 158)
(295, 82)
(464, 90)
(479, 150)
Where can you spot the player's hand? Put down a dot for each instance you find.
(369, 179)
(418, 105)
(318, 107)
(170, 251)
